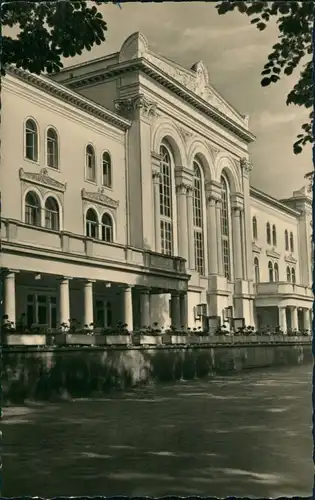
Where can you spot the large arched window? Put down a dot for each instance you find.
(166, 216)
(106, 170)
(274, 235)
(107, 228)
(52, 148)
(286, 240)
(255, 231)
(91, 223)
(293, 275)
(198, 220)
(32, 209)
(31, 140)
(276, 272)
(268, 233)
(225, 228)
(52, 214)
(256, 270)
(270, 271)
(90, 166)
(288, 274)
(291, 242)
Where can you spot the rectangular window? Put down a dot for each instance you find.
(226, 258)
(166, 237)
(199, 252)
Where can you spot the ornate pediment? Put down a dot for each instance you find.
(42, 179)
(289, 258)
(196, 80)
(255, 247)
(99, 198)
(273, 254)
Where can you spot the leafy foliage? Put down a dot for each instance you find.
(48, 31)
(295, 21)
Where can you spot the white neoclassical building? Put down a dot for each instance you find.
(125, 186)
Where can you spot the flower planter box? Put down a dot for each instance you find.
(146, 339)
(74, 339)
(24, 339)
(168, 339)
(112, 339)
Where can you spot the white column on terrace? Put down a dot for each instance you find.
(145, 308)
(218, 236)
(190, 228)
(283, 319)
(182, 226)
(156, 196)
(294, 318)
(212, 235)
(9, 296)
(128, 313)
(306, 319)
(88, 302)
(237, 243)
(175, 309)
(64, 301)
(183, 310)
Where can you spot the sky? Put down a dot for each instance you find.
(234, 52)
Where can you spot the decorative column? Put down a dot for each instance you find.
(182, 230)
(283, 319)
(212, 235)
(190, 228)
(64, 301)
(88, 302)
(218, 236)
(306, 319)
(183, 310)
(145, 308)
(156, 196)
(237, 243)
(9, 296)
(246, 168)
(294, 318)
(243, 244)
(175, 310)
(128, 313)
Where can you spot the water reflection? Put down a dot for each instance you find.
(244, 435)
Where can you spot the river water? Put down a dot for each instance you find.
(242, 435)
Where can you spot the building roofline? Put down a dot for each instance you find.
(67, 95)
(148, 68)
(270, 200)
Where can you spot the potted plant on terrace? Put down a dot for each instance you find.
(147, 335)
(117, 335)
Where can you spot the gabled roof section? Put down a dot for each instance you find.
(61, 92)
(192, 85)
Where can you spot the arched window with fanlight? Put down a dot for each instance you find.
(90, 163)
(288, 275)
(255, 231)
(286, 240)
(91, 223)
(293, 276)
(225, 227)
(107, 228)
(291, 242)
(274, 235)
(198, 219)
(31, 140)
(32, 209)
(268, 233)
(106, 170)
(276, 272)
(270, 271)
(166, 204)
(256, 270)
(52, 148)
(52, 214)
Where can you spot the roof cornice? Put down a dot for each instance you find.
(269, 200)
(67, 95)
(157, 74)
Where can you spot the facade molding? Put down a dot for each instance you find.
(42, 179)
(99, 197)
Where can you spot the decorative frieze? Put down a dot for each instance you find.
(186, 134)
(273, 254)
(42, 179)
(99, 198)
(255, 247)
(246, 165)
(290, 259)
(127, 107)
